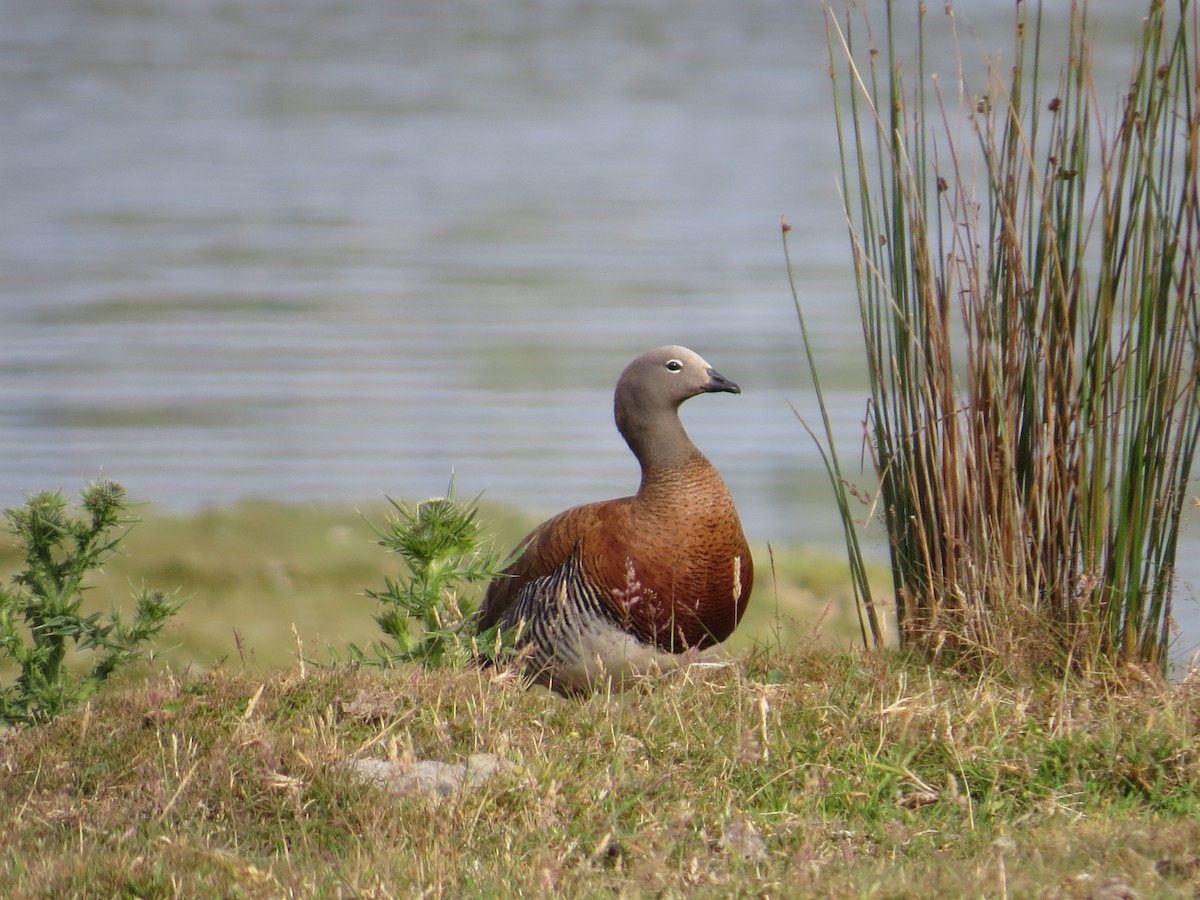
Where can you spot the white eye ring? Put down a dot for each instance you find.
(674, 365)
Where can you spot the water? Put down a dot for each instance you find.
(309, 250)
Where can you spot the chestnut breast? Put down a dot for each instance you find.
(673, 559)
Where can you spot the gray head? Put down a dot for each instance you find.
(649, 392)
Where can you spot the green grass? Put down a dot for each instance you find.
(858, 773)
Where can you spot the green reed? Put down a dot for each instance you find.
(1026, 264)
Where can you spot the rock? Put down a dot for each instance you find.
(369, 705)
(742, 839)
(428, 776)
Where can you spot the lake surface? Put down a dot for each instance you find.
(321, 251)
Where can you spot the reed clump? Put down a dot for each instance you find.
(1026, 263)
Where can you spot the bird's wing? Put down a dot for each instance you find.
(545, 549)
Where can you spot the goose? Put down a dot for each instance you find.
(624, 588)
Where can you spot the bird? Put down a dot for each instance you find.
(624, 588)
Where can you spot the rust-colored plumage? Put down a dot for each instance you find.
(627, 583)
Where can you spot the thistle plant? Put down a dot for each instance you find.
(423, 614)
(41, 618)
(1027, 266)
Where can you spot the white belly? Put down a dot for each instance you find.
(601, 653)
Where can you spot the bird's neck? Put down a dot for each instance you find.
(657, 439)
(669, 459)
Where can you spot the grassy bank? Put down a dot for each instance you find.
(802, 768)
(257, 575)
(819, 772)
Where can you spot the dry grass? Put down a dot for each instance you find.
(839, 774)
(800, 769)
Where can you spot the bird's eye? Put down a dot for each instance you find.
(674, 365)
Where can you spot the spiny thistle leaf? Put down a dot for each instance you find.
(40, 616)
(442, 546)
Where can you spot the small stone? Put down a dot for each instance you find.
(1177, 868)
(742, 839)
(1113, 889)
(915, 799)
(369, 705)
(430, 776)
(483, 766)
